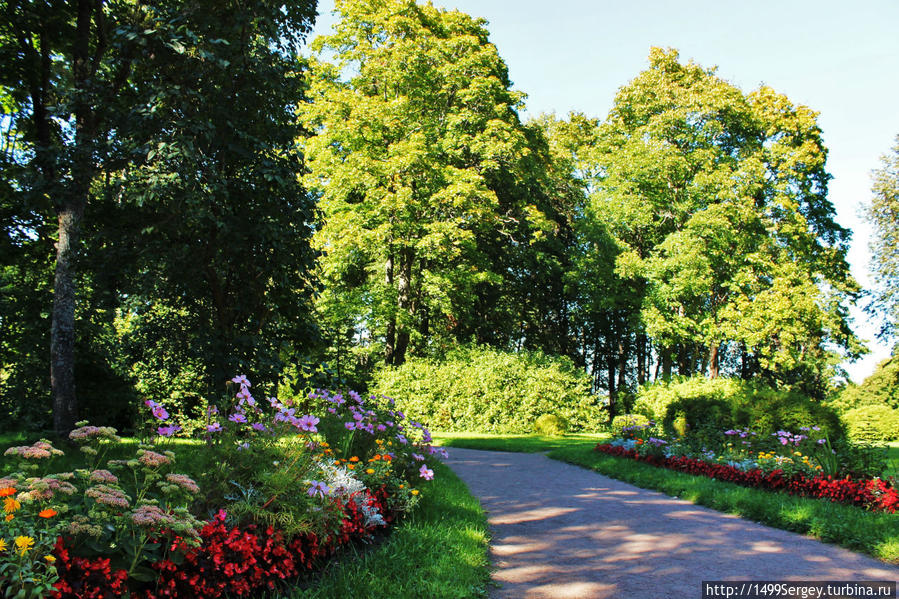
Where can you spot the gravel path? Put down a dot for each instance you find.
(562, 531)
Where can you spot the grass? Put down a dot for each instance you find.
(876, 534)
(518, 443)
(438, 550)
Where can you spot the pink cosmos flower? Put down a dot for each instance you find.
(241, 380)
(426, 473)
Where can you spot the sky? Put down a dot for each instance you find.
(839, 58)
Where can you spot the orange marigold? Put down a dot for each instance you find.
(47, 513)
(7, 491)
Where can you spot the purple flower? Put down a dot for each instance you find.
(212, 410)
(259, 427)
(358, 417)
(332, 410)
(215, 427)
(418, 457)
(821, 441)
(784, 441)
(160, 412)
(318, 488)
(307, 423)
(426, 436)
(237, 417)
(382, 428)
(389, 423)
(425, 472)
(285, 415)
(241, 380)
(401, 439)
(243, 446)
(244, 396)
(168, 431)
(350, 426)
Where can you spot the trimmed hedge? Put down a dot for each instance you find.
(489, 391)
(872, 424)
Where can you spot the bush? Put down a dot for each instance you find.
(550, 424)
(872, 424)
(702, 417)
(485, 390)
(623, 420)
(737, 403)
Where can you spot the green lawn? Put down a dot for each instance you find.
(522, 443)
(851, 527)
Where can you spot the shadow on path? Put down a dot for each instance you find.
(566, 532)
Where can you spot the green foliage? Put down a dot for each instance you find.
(737, 403)
(550, 425)
(881, 388)
(872, 424)
(716, 203)
(883, 215)
(703, 417)
(485, 390)
(434, 197)
(623, 420)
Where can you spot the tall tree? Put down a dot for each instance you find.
(97, 90)
(883, 214)
(417, 145)
(718, 200)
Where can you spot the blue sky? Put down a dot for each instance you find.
(839, 58)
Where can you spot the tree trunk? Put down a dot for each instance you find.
(713, 360)
(62, 326)
(390, 333)
(613, 392)
(683, 360)
(642, 363)
(404, 306)
(622, 365)
(666, 363)
(69, 213)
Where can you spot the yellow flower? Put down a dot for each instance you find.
(50, 558)
(24, 543)
(354, 459)
(379, 441)
(10, 505)
(2, 545)
(325, 444)
(415, 491)
(369, 470)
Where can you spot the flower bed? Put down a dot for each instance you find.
(286, 490)
(873, 494)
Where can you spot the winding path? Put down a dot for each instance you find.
(562, 531)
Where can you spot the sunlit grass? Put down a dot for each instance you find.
(519, 443)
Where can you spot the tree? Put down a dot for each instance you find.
(418, 157)
(119, 105)
(883, 214)
(718, 203)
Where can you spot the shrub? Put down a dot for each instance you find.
(485, 390)
(701, 417)
(623, 420)
(550, 424)
(743, 404)
(873, 424)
